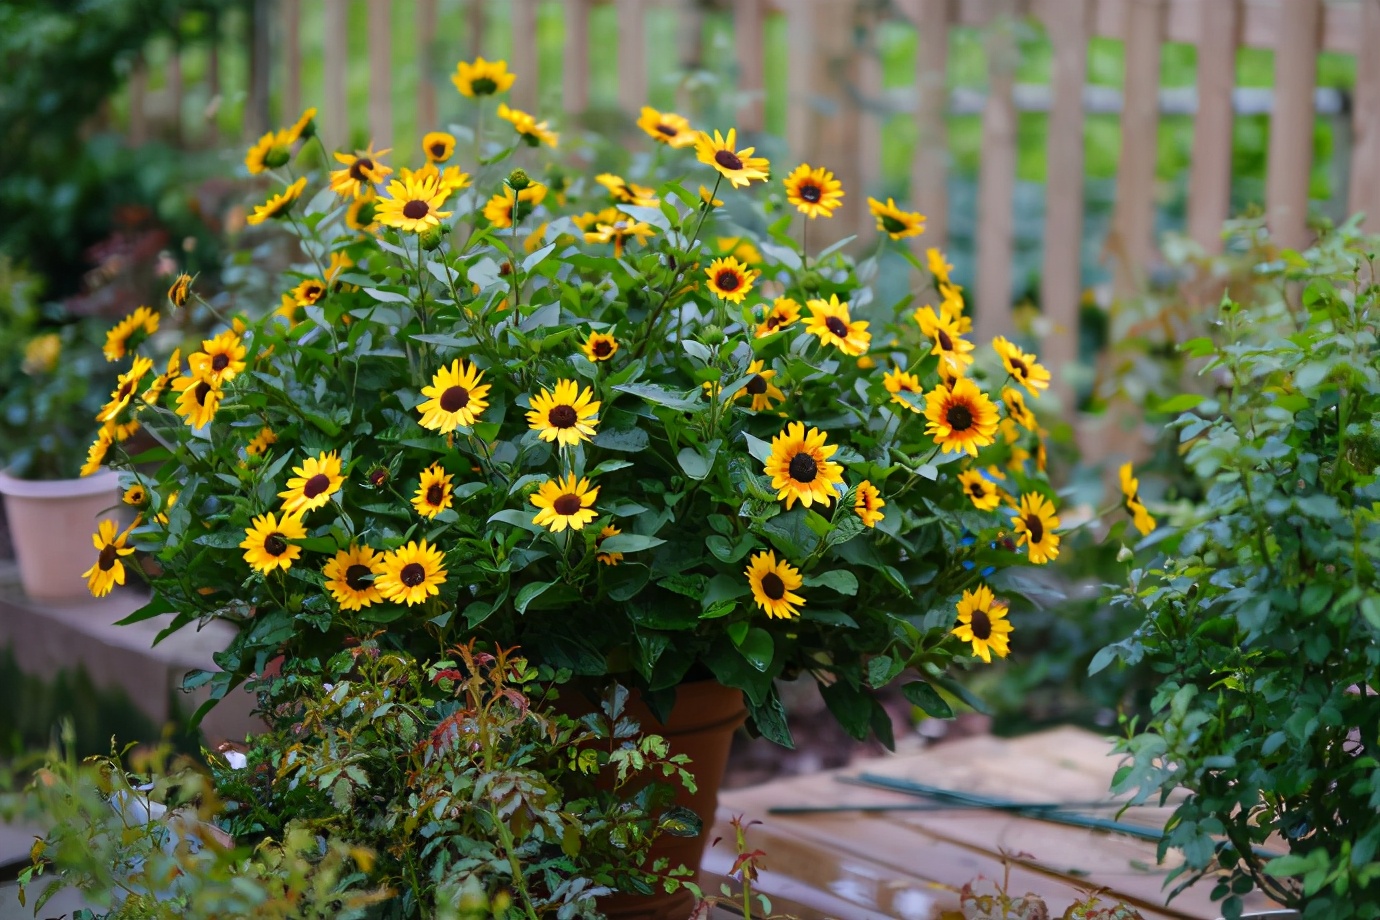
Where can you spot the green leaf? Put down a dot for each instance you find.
(840, 580)
(851, 706)
(930, 702)
(680, 400)
(387, 296)
(1181, 403)
(759, 449)
(757, 647)
(629, 543)
(529, 593)
(883, 669)
(695, 464)
(627, 440)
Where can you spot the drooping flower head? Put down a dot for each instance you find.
(197, 400)
(954, 351)
(278, 206)
(1023, 367)
(1130, 490)
(894, 222)
(666, 128)
(130, 333)
(868, 503)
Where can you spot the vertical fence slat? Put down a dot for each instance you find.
(1062, 281)
(426, 66)
(527, 86)
(870, 121)
(138, 103)
(833, 119)
(929, 170)
(381, 73)
(1209, 183)
(576, 91)
(1133, 222)
(176, 89)
(292, 59)
(256, 115)
(335, 125)
(1291, 124)
(748, 37)
(1365, 155)
(689, 48)
(478, 22)
(632, 55)
(997, 177)
(800, 38)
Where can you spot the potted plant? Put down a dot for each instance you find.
(50, 368)
(542, 414)
(1262, 610)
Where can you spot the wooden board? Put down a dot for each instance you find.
(910, 865)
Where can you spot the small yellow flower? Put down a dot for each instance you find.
(1016, 409)
(533, 132)
(362, 172)
(897, 382)
(266, 545)
(954, 351)
(180, 290)
(434, 491)
(220, 360)
(1130, 489)
(277, 206)
(982, 623)
(1035, 523)
(984, 493)
(761, 388)
(740, 247)
(507, 206)
(565, 415)
(136, 495)
(783, 312)
(438, 146)
(1022, 366)
(411, 574)
(482, 78)
(814, 192)
(108, 570)
(456, 397)
(599, 347)
(125, 388)
(960, 419)
(414, 204)
(774, 585)
(272, 150)
(129, 333)
(730, 279)
(739, 167)
(600, 554)
(800, 468)
(894, 222)
(619, 232)
(830, 321)
(350, 577)
(666, 128)
(565, 502)
(261, 442)
(317, 479)
(41, 354)
(868, 504)
(625, 192)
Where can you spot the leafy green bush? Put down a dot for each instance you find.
(1262, 615)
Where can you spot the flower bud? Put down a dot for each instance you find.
(811, 281)
(711, 335)
(432, 237)
(517, 180)
(277, 156)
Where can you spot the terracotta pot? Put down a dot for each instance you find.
(701, 726)
(51, 522)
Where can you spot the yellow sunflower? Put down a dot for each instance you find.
(309, 291)
(982, 623)
(180, 290)
(783, 312)
(482, 78)
(456, 397)
(359, 216)
(800, 468)
(938, 265)
(894, 222)
(362, 172)
(129, 333)
(599, 347)
(625, 192)
(953, 350)
(619, 232)
(599, 554)
(95, 454)
(509, 205)
(434, 492)
(760, 387)
(1022, 366)
(135, 495)
(591, 219)
(740, 247)
(266, 545)
(125, 387)
(261, 442)
(983, 492)
(108, 571)
(278, 205)
(565, 502)
(730, 279)
(566, 416)
(438, 146)
(317, 479)
(1130, 489)
(1035, 523)
(666, 127)
(451, 180)
(897, 382)
(1016, 409)
(814, 192)
(220, 360)
(410, 574)
(304, 127)
(961, 418)
(739, 167)
(774, 585)
(533, 132)
(868, 503)
(272, 150)
(413, 206)
(350, 577)
(197, 400)
(951, 307)
(708, 198)
(830, 321)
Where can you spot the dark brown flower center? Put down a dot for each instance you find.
(837, 326)
(562, 417)
(960, 418)
(977, 490)
(360, 169)
(945, 342)
(1018, 368)
(412, 574)
(892, 225)
(438, 150)
(125, 389)
(602, 348)
(773, 587)
(728, 280)
(358, 577)
(728, 159)
(757, 385)
(1035, 527)
(668, 131)
(454, 399)
(275, 544)
(435, 494)
(803, 468)
(567, 504)
(483, 86)
(415, 210)
(107, 558)
(313, 292)
(810, 192)
(981, 625)
(203, 389)
(220, 362)
(316, 485)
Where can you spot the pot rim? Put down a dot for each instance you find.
(103, 480)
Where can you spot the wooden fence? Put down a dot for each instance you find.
(834, 77)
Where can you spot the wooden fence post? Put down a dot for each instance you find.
(748, 36)
(1365, 154)
(138, 133)
(997, 178)
(632, 56)
(929, 184)
(256, 115)
(1209, 184)
(1291, 123)
(213, 79)
(478, 15)
(292, 59)
(527, 86)
(869, 101)
(1062, 281)
(381, 74)
(426, 67)
(176, 89)
(576, 94)
(335, 128)
(831, 115)
(1133, 222)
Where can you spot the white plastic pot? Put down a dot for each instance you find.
(51, 522)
